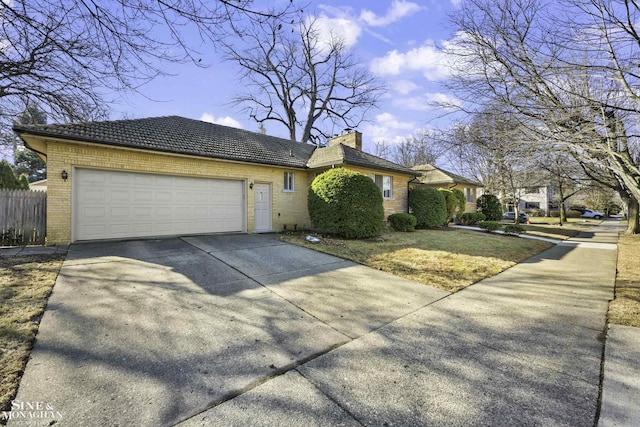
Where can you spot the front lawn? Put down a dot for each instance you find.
(449, 259)
(25, 285)
(625, 308)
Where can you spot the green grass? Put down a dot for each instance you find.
(449, 259)
(25, 286)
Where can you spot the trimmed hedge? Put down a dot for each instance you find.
(490, 206)
(346, 203)
(429, 207)
(490, 226)
(402, 222)
(569, 214)
(455, 202)
(514, 229)
(471, 218)
(461, 199)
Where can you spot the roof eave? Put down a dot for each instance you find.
(387, 169)
(156, 149)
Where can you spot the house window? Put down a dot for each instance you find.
(385, 184)
(532, 190)
(288, 181)
(470, 195)
(387, 187)
(531, 205)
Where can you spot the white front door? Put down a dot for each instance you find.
(262, 207)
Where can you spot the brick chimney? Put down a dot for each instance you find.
(352, 138)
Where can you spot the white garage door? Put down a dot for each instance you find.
(109, 204)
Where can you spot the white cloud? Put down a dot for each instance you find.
(341, 27)
(428, 102)
(343, 22)
(225, 121)
(388, 128)
(456, 3)
(398, 10)
(378, 36)
(403, 87)
(428, 59)
(443, 100)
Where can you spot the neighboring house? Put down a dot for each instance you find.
(432, 176)
(38, 185)
(535, 199)
(173, 176)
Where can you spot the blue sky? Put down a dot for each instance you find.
(399, 41)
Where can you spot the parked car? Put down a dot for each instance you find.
(588, 213)
(510, 216)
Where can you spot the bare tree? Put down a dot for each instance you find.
(382, 149)
(565, 175)
(64, 54)
(496, 149)
(418, 149)
(299, 79)
(470, 153)
(568, 72)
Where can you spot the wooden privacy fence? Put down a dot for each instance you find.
(22, 217)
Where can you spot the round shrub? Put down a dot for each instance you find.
(490, 225)
(514, 229)
(471, 218)
(402, 221)
(490, 206)
(346, 203)
(429, 207)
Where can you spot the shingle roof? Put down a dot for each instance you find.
(343, 154)
(433, 175)
(175, 134)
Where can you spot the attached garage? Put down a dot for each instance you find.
(114, 205)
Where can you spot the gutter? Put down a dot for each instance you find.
(19, 132)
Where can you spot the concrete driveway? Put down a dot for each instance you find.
(156, 332)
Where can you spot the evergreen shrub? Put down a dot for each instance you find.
(429, 207)
(402, 221)
(490, 206)
(346, 203)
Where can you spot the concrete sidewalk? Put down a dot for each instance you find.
(521, 348)
(621, 384)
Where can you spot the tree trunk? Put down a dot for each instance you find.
(633, 212)
(561, 212)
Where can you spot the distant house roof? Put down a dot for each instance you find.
(173, 134)
(342, 154)
(432, 175)
(38, 185)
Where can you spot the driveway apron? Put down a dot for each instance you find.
(523, 348)
(156, 332)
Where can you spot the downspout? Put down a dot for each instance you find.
(414, 179)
